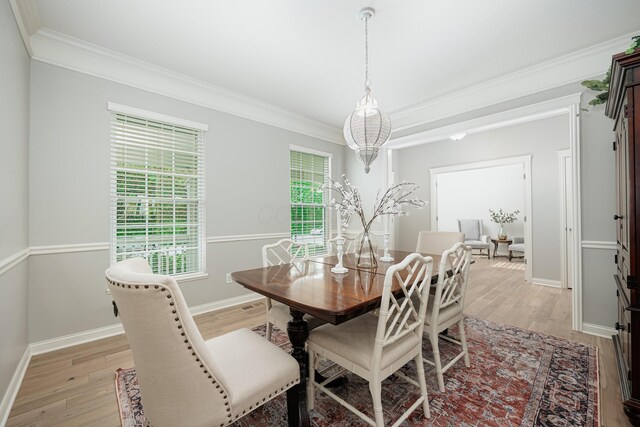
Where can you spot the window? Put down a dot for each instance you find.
(310, 221)
(157, 191)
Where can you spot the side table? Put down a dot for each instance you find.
(496, 242)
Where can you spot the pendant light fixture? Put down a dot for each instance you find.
(368, 127)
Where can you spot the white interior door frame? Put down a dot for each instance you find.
(525, 161)
(565, 269)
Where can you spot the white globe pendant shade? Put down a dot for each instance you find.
(367, 129)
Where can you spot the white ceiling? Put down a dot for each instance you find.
(307, 56)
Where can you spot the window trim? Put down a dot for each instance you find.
(150, 115)
(115, 108)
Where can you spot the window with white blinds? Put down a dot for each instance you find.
(310, 221)
(157, 194)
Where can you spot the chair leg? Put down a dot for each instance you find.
(375, 386)
(268, 334)
(510, 255)
(311, 380)
(423, 384)
(463, 341)
(433, 337)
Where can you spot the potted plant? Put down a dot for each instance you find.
(501, 217)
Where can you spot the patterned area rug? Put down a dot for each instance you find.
(517, 378)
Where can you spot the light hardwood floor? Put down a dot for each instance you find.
(75, 386)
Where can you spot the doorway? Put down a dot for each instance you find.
(468, 191)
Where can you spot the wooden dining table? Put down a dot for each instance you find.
(309, 287)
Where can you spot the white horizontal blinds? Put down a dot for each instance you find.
(309, 214)
(157, 189)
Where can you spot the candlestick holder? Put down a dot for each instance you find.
(339, 268)
(386, 257)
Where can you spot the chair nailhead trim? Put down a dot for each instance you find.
(186, 341)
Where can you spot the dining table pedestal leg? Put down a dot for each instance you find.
(298, 331)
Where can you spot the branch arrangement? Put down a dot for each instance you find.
(394, 201)
(502, 217)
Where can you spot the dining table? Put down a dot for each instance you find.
(309, 287)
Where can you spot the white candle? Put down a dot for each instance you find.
(339, 225)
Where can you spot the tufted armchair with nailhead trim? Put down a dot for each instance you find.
(185, 380)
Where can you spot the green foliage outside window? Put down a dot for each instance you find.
(307, 196)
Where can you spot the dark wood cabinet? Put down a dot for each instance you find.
(624, 107)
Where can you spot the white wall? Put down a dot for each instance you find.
(247, 192)
(14, 122)
(470, 194)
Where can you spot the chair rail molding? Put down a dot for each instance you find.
(59, 49)
(62, 249)
(11, 261)
(596, 244)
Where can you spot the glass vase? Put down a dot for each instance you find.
(366, 250)
(501, 234)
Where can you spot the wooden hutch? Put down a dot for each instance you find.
(624, 107)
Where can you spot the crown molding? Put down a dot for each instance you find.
(528, 113)
(68, 52)
(28, 20)
(576, 66)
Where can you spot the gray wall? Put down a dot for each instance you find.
(14, 122)
(541, 139)
(597, 193)
(247, 190)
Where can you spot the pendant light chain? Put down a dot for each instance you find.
(366, 53)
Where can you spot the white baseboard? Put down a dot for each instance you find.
(14, 386)
(597, 330)
(546, 282)
(111, 330)
(225, 303)
(58, 343)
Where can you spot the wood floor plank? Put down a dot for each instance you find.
(75, 386)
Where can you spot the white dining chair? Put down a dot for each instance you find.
(282, 252)
(446, 307)
(436, 242)
(374, 347)
(183, 379)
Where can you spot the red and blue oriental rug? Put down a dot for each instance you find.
(517, 378)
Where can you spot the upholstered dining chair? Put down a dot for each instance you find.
(185, 380)
(436, 242)
(283, 252)
(375, 347)
(472, 229)
(445, 308)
